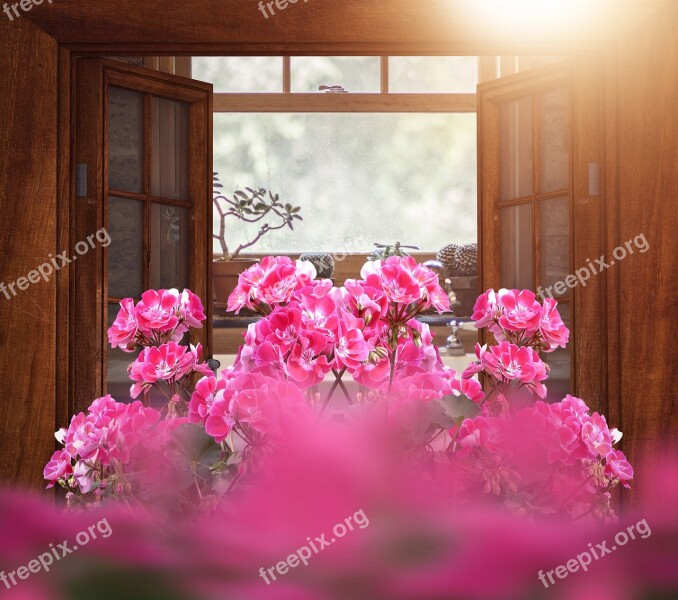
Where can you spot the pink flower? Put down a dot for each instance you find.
(124, 329)
(203, 397)
(521, 311)
(395, 277)
(430, 289)
(470, 388)
(272, 281)
(281, 327)
(219, 421)
(168, 362)
(486, 309)
(617, 467)
(157, 311)
(191, 311)
(596, 435)
(508, 362)
(307, 364)
(59, 467)
(363, 301)
(319, 314)
(350, 349)
(551, 326)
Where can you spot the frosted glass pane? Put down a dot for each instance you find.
(240, 74)
(555, 240)
(126, 251)
(558, 383)
(433, 74)
(515, 149)
(554, 141)
(356, 74)
(125, 140)
(515, 232)
(358, 178)
(170, 238)
(169, 164)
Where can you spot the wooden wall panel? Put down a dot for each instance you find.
(340, 26)
(647, 188)
(28, 234)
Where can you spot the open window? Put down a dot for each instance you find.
(541, 206)
(143, 173)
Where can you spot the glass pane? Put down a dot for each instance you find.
(558, 383)
(433, 74)
(118, 383)
(356, 74)
(555, 242)
(240, 74)
(126, 251)
(554, 141)
(170, 233)
(515, 231)
(358, 178)
(169, 173)
(125, 140)
(515, 149)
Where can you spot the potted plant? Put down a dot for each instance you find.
(248, 206)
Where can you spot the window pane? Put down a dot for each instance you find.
(554, 141)
(515, 149)
(515, 231)
(555, 240)
(240, 74)
(356, 74)
(170, 235)
(433, 74)
(558, 383)
(126, 251)
(169, 164)
(125, 140)
(358, 178)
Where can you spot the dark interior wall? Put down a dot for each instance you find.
(28, 187)
(647, 191)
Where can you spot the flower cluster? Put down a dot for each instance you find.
(157, 323)
(548, 457)
(366, 328)
(159, 317)
(99, 444)
(503, 441)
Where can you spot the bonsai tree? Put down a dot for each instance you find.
(251, 206)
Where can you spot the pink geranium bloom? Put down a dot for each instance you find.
(307, 364)
(319, 314)
(281, 328)
(59, 467)
(124, 329)
(157, 311)
(203, 397)
(486, 309)
(470, 388)
(509, 362)
(394, 276)
(430, 289)
(219, 421)
(191, 310)
(521, 311)
(551, 326)
(168, 362)
(617, 467)
(596, 435)
(350, 349)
